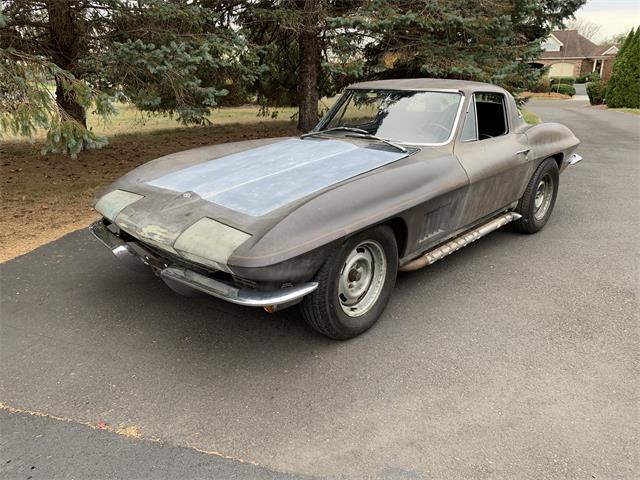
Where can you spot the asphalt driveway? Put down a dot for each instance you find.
(514, 358)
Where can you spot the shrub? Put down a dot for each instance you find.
(623, 89)
(564, 89)
(593, 77)
(582, 79)
(596, 90)
(543, 85)
(563, 80)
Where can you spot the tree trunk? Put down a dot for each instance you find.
(66, 31)
(68, 103)
(309, 47)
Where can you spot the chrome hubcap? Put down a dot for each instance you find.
(362, 278)
(544, 195)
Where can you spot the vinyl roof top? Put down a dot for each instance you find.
(428, 84)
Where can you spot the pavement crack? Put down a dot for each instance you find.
(131, 431)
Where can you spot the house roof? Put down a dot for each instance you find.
(574, 45)
(602, 50)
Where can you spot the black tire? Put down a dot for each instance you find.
(533, 217)
(324, 309)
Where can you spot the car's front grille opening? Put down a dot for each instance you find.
(243, 282)
(175, 260)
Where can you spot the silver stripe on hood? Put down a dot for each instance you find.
(258, 181)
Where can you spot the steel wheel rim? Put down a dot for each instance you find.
(362, 278)
(543, 197)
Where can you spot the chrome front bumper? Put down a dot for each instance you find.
(139, 258)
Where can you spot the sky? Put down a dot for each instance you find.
(614, 16)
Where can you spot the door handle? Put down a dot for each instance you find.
(525, 151)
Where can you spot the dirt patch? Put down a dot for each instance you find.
(45, 197)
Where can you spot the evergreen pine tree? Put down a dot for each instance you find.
(175, 57)
(623, 88)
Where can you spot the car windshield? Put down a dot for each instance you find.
(396, 115)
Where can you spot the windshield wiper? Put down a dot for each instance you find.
(335, 129)
(360, 134)
(373, 137)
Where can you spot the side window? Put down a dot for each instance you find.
(491, 115)
(470, 128)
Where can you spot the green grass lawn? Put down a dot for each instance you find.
(530, 117)
(129, 119)
(632, 111)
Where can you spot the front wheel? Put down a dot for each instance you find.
(355, 284)
(539, 198)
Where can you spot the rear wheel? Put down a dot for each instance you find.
(539, 198)
(355, 284)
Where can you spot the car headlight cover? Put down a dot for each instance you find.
(209, 242)
(112, 203)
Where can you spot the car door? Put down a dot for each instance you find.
(494, 157)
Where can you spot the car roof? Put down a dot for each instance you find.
(428, 84)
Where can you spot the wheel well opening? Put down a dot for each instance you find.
(400, 231)
(558, 158)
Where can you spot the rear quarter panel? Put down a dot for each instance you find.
(551, 140)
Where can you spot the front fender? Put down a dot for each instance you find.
(353, 206)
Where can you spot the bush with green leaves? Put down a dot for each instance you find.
(564, 89)
(595, 91)
(589, 77)
(593, 77)
(563, 80)
(623, 88)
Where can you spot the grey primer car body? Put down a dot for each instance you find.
(253, 222)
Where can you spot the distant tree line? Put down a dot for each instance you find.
(60, 59)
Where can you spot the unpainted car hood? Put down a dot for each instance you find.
(249, 186)
(261, 180)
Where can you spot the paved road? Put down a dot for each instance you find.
(514, 358)
(581, 93)
(39, 447)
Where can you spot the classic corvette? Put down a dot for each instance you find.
(397, 175)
